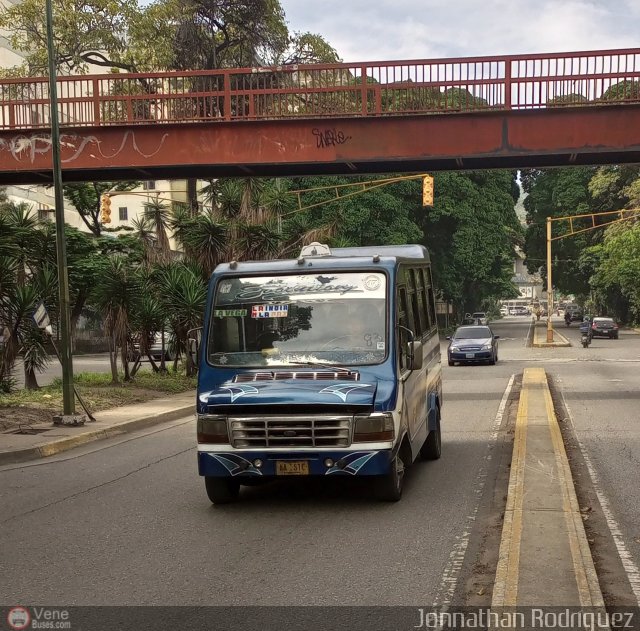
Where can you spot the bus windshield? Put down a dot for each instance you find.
(332, 318)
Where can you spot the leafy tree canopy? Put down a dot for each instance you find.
(164, 35)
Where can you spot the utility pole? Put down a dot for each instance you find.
(68, 402)
(549, 284)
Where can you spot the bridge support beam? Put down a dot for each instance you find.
(398, 144)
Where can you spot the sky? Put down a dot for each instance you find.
(378, 30)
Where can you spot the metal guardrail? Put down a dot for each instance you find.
(384, 88)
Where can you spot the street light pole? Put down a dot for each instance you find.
(68, 402)
(549, 284)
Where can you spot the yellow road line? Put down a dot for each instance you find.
(505, 590)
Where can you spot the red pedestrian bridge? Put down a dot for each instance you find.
(350, 118)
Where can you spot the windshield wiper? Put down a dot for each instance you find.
(319, 362)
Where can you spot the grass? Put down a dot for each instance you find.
(100, 394)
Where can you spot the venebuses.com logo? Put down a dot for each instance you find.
(18, 618)
(21, 618)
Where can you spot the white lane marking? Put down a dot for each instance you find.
(526, 339)
(629, 565)
(451, 572)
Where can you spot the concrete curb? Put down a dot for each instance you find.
(586, 575)
(54, 447)
(540, 337)
(513, 584)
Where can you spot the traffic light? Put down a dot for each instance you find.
(427, 190)
(105, 208)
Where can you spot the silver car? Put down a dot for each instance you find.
(480, 318)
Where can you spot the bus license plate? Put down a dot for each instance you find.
(291, 467)
(470, 355)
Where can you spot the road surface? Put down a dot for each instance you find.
(127, 521)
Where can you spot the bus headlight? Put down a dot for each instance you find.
(373, 428)
(212, 429)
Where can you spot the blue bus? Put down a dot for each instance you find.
(324, 365)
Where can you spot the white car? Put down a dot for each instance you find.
(480, 317)
(504, 311)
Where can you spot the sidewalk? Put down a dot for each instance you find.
(544, 555)
(540, 336)
(53, 439)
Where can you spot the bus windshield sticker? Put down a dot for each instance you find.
(295, 288)
(371, 282)
(229, 313)
(269, 311)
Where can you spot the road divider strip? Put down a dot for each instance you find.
(505, 589)
(565, 523)
(584, 569)
(540, 337)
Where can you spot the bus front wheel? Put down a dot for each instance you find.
(432, 448)
(389, 485)
(221, 490)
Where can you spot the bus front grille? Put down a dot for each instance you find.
(298, 431)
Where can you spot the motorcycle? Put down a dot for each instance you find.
(585, 339)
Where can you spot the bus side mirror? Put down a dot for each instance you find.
(415, 355)
(193, 348)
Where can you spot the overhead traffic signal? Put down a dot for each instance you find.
(427, 190)
(105, 208)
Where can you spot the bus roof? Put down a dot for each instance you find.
(410, 251)
(325, 258)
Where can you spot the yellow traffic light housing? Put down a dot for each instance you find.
(105, 208)
(427, 190)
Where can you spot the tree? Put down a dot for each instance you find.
(117, 296)
(86, 197)
(156, 214)
(618, 268)
(204, 239)
(379, 216)
(183, 294)
(471, 232)
(87, 32)
(21, 286)
(558, 193)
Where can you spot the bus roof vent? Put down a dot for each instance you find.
(315, 249)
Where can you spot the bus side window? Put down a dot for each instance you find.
(421, 299)
(403, 321)
(431, 302)
(418, 319)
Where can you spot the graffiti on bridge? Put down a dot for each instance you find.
(329, 137)
(72, 146)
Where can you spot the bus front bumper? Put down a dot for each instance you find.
(302, 463)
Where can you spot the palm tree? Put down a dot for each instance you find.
(147, 320)
(25, 235)
(157, 214)
(22, 285)
(206, 241)
(143, 229)
(252, 210)
(118, 296)
(183, 293)
(258, 241)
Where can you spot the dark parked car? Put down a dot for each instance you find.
(473, 344)
(604, 327)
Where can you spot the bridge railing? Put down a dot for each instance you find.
(386, 88)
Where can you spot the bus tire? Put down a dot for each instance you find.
(432, 447)
(221, 490)
(389, 486)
